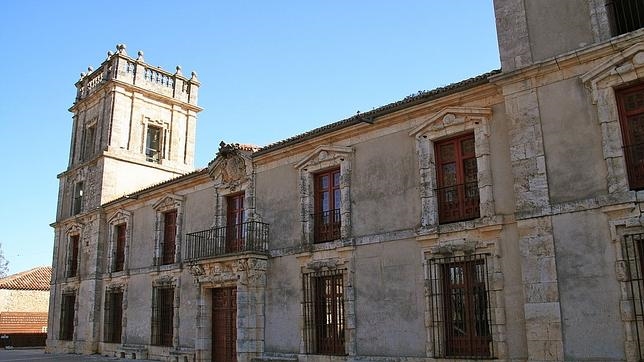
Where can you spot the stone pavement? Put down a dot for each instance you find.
(28, 355)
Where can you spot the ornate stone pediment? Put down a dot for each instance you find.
(168, 202)
(74, 229)
(248, 271)
(119, 217)
(324, 154)
(165, 281)
(232, 167)
(624, 66)
(450, 118)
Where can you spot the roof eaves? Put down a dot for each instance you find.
(406, 102)
(159, 185)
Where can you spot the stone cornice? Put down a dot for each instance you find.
(112, 85)
(485, 94)
(582, 56)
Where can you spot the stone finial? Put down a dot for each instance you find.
(139, 57)
(120, 48)
(178, 72)
(82, 75)
(109, 54)
(90, 69)
(193, 78)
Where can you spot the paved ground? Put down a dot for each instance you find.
(37, 355)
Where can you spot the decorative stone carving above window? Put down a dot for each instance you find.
(625, 68)
(449, 122)
(74, 228)
(232, 171)
(165, 281)
(325, 157)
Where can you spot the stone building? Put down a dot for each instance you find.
(497, 217)
(24, 303)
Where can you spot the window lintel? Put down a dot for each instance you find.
(324, 153)
(449, 118)
(168, 202)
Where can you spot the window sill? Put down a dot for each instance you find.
(119, 273)
(482, 222)
(164, 267)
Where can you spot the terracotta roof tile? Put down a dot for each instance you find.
(33, 279)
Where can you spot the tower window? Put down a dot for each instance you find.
(153, 144)
(90, 138)
(77, 202)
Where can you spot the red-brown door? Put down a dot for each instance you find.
(224, 324)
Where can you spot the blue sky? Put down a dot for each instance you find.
(268, 70)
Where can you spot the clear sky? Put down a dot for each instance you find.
(268, 70)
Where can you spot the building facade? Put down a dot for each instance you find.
(494, 218)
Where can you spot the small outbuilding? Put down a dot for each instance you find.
(24, 304)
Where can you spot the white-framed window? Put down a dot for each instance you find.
(156, 136)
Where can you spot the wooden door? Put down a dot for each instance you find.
(224, 324)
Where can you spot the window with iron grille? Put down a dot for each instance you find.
(633, 254)
(459, 304)
(456, 170)
(630, 102)
(119, 253)
(327, 203)
(162, 316)
(169, 236)
(113, 324)
(324, 325)
(72, 256)
(67, 317)
(77, 202)
(625, 15)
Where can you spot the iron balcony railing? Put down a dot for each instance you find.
(458, 202)
(326, 226)
(625, 15)
(250, 236)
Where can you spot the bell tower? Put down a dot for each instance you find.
(133, 126)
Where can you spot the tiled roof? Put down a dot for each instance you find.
(409, 101)
(134, 194)
(417, 98)
(34, 279)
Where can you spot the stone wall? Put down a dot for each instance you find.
(24, 300)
